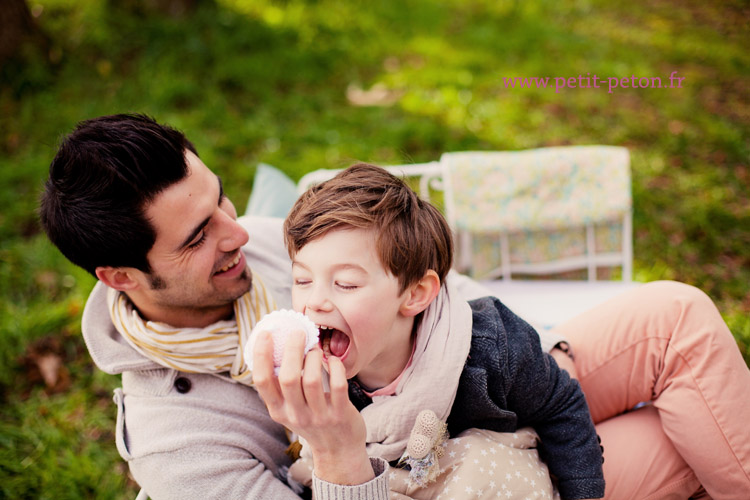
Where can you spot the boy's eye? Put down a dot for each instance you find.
(300, 281)
(346, 286)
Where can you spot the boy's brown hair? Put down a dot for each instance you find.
(412, 236)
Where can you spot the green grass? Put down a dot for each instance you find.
(267, 81)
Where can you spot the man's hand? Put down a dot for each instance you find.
(331, 425)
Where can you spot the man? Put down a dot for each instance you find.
(181, 283)
(131, 202)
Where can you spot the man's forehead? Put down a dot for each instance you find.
(183, 207)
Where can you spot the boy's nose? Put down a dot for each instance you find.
(318, 300)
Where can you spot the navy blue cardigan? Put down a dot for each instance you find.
(508, 382)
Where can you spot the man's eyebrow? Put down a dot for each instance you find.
(205, 221)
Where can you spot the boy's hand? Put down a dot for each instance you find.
(564, 361)
(331, 425)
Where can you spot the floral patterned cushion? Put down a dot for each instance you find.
(541, 198)
(548, 188)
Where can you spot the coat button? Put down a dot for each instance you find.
(182, 385)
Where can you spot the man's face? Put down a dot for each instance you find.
(340, 284)
(196, 262)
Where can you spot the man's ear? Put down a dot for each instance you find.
(119, 278)
(420, 295)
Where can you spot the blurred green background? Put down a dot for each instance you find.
(308, 84)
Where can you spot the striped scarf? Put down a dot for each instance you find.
(216, 348)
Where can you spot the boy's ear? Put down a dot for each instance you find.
(421, 294)
(119, 278)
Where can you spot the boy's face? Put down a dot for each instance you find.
(341, 285)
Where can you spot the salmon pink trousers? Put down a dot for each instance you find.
(665, 344)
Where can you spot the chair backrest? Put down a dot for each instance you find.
(535, 213)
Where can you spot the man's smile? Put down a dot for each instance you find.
(231, 266)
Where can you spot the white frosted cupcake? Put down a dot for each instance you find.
(281, 324)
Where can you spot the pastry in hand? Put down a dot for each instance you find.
(281, 324)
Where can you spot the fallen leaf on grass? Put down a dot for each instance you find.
(377, 95)
(44, 364)
(49, 365)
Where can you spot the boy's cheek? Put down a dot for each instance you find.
(297, 302)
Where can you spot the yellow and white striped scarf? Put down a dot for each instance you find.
(216, 348)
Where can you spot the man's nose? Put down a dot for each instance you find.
(233, 235)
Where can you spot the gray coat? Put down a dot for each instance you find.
(187, 435)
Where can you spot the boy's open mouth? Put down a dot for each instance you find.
(333, 342)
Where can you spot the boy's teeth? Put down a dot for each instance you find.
(325, 338)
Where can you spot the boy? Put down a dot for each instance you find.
(369, 260)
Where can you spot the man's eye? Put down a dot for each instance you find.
(199, 241)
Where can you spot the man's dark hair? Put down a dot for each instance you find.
(100, 182)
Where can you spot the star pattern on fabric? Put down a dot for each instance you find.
(472, 467)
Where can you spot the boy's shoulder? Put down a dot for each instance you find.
(489, 334)
(491, 318)
(497, 331)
